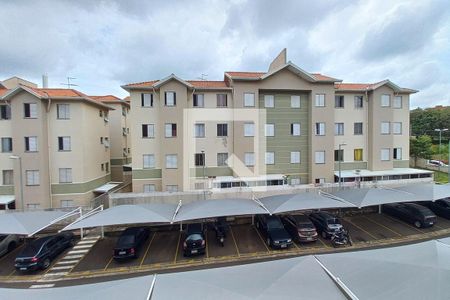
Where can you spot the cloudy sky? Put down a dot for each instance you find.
(105, 44)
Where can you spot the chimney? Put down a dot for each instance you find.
(279, 61)
(44, 81)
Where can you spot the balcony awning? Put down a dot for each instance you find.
(7, 199)
(106, 187)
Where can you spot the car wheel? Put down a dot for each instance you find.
(11, 246)
(46, 263)
(418, 224)
(268, 242)
(324, 234)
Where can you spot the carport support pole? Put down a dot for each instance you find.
(81, 229)
(379, 209)
(103, 232)
(253, 219)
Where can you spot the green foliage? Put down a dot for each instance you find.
(424, 121)
(420, 147)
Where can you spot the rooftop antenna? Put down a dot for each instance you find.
(203, 77)
(68, 84)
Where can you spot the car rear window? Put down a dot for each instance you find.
(306, 225)
(333, 221)
(126, 239)
(194, 237)
(30, 250)
(274, 223)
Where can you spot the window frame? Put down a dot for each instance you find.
(144, 100)
(271, 155)
(33, 173)
(252, 129)
(218, 102)
(318, 129)
(382, 100)
(173, 156)
(400, 124)
(337, 128)
(383, 127)
(27, 143)
(271, 99)
(245, 104)
(295, 97)
(293, 156)
(148, 126)
(357, 100)
(323, 155)
(30, 110)
(166, 103)
(269, 128)
(249, 156)
(201, 133)
(320, 100)
(150, 159)
(224, 164)
(222, 129)
(196, 98)
(388, 154)
(355, 154)
(9, 143)
(200, 159)
(172, 130)
(63, 114)
(395, 103)
(355, 127)
(67, 176)
(61, 142)
(339, 101)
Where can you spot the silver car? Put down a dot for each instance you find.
(8, 243)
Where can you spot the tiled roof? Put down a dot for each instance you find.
(208, 84)
(142, 84)
(106, 98)
(246, 74)
(3, 90)
(353, 86)
(58, 93)
(127, 99)
(321, 77)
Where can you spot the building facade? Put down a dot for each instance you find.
(266, 128)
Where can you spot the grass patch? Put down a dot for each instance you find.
(440, 177)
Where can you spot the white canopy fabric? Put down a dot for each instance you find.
(418, 271)
(133, 288)
(428, 191)
(375, 196)
(107, 187)
(218, 208)
(297, 278)
(28, 222)
(128, 214)
(302, 201)
(7, 199)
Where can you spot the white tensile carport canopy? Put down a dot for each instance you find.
(428, 191)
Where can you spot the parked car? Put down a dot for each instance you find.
(194, 242)
(8, 243)
(273, 231)
(439, 207)
(436, 163)
(412, 213)
(130, 242)
(326, 224)
(300, 228)
(38, 254)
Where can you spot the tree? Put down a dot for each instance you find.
(420, 147)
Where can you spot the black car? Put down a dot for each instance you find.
(439, 207)
(38, 254)
(130, 241)
(195, 242)
(273, 231)
(300, 228)
(412, 213)
(325, 223)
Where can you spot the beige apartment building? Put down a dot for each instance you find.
(55, 146)
(283, 126)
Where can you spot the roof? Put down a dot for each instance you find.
(28, 222)
(3, 90)
(244, 74)
(363, 87)
(198, 84)
(109, 99)
(58, 93)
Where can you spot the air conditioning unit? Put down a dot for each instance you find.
(124, 132)
(125, 153)
(106, 119)
(106, 143)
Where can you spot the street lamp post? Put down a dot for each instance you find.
(339, 163)
(440, 145)
(204, 175)
(21, 180)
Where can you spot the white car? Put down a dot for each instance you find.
(8, 243)
(437, 163)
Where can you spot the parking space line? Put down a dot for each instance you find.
(109, 262)
(421, 231)
(379, 224)
(146, 251)
(12, 273)
(362, 229)
(178, 246)
(234, 240)
(323, 243)
(437, 226)
(206, 243)
(262, 240)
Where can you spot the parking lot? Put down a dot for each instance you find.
(164, 247)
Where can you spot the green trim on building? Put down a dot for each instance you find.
(78, 188)
(120, 161)
(147, 173)
(401, 163)
(211, 171)
(128, 160)
(6, 190)
(356, 165)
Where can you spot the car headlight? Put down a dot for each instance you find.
(277, 242)
(289, 240)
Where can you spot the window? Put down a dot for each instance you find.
(148, 161)
(270, 158)
(31, 206)
(199, 100)
(249, 129)
(320, 180)
(199, 130)
(320, 100)
(385, 154)
(7, 144)
(100, 113)
(5, 112)
(358, 128)
(320, 128)
(107, 167)
(320, 157)
(339, 128)
(32, 177)
(295, 129)
(148, 130)
(359, 103)
(63, 111)
(124, 111)
(30, 143)
(222, 159)
(339, 101)
(397, 128)
(397, 102)
(65, 175)
(106, 142)
(249, 159)
(358, 155)
(30, 110)
(102, 167)
(67, 203)
(397, 153)
(149, 188)
(199, 159)
(295, 157)
(146, 100)
(249, 100)
(171, 188)
(339, 155)
(295, 101)
(170, 98)
(221, 100)
(171, 130)
(101, 140)
(269, 130)
(295, 181)
(385, 127)
(171, 161)
(64, 143)
(269, 101)
(385, 100)
(8, 177)
(222, 129)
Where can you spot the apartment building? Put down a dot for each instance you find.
(282, 126)
(55, 148)
(119, 135)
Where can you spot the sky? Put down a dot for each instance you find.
(105, 44)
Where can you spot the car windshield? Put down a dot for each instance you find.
(333, 221)
(274, 223)
(126, 240)
(194, 237)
